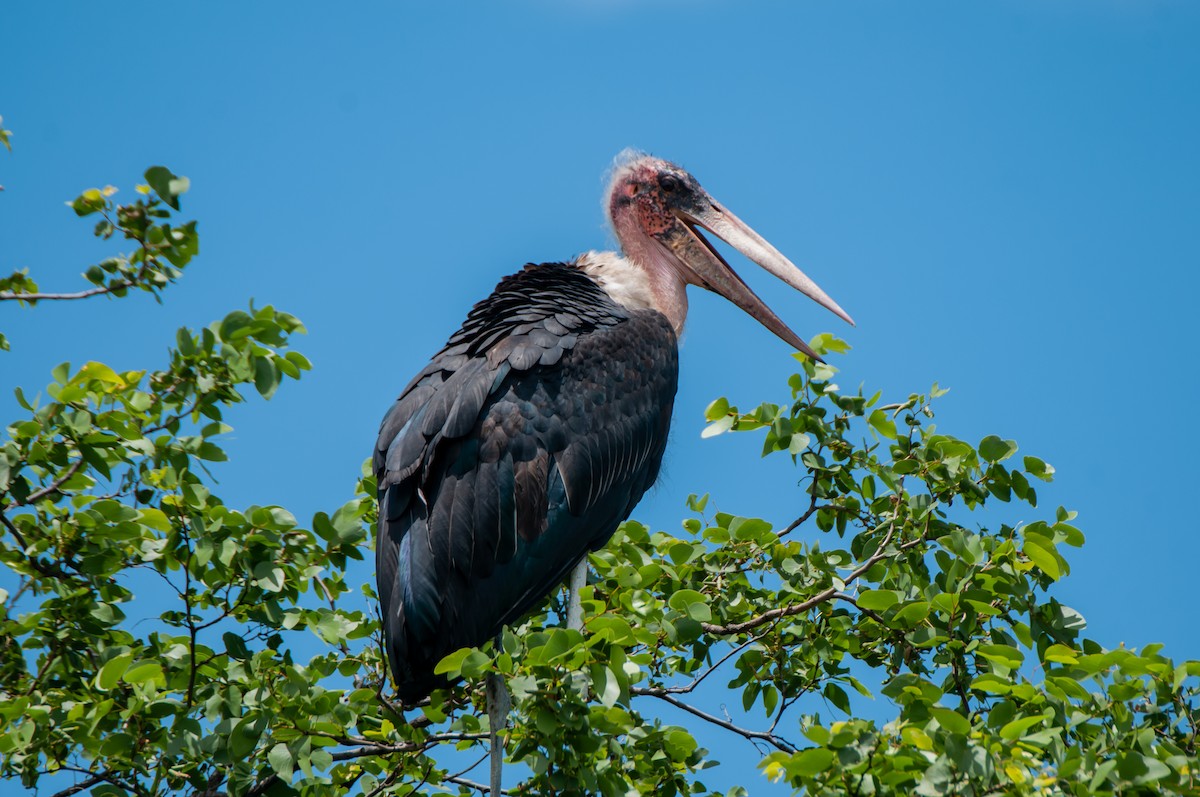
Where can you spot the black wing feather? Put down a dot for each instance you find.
(520, 448)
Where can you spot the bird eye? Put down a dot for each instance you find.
(669, 183)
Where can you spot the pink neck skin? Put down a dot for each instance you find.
(667, 284)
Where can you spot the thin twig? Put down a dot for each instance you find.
(679, 690)
(78, 787)
(49, 297)
(812, 509)
(769, 738)
(96, 777)
(262, 785)
(482, 788)
(821, 597)
(53, 486)
(464, 771)
(8, 296)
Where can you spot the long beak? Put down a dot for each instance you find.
(716, 275)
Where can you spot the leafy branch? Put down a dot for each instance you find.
(163, 248)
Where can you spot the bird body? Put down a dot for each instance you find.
(518, 450)
(538, 427)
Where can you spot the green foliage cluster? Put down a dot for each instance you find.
(254, 666)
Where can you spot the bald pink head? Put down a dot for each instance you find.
(656, 209)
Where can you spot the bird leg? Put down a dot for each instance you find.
(577, 582)
(498, 704)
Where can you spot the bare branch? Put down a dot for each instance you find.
(679, 690)
(770, 738)
(99, 290)
(482, 788)
(8, 296)
(812, 510)
(94, 779)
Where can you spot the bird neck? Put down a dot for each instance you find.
(638, 286)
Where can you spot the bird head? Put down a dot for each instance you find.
(657, 210)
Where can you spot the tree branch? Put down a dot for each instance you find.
(96, 778)
(78, 787)
(262, 785)
(12, 529)
(821, 597)
(53, 486)
(131, 282)
(482, 788)
(679, 690)
(49, 571)
(769, 738)
(7, 296)
(812, 509)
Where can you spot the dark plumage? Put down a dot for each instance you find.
(517, 450)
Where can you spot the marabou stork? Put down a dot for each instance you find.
(536, 430)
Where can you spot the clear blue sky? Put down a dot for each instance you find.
(1005, 196)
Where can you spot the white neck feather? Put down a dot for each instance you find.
(634, 287)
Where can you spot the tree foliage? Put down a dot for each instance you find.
(155, 641)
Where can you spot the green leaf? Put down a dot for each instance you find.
(167, 185)
(98, 371)
(112, 670)
(993, 449)
(912, 613)
(266, 377)
(154, 518)
(146, 672)
(606, 686)
(679, 744)
(811, 762)
(1060, 654)
(269, 576)
(691, 603)
(280, 759)
(90, 201)
(825, 342)
(1039, 469)
(245, 735)
(837, 696)
(717, 409)
(882, 424)
(1041, 552)
(613, 627)
(475, 663)
(1140, 768)
(719, 426)
(1004, 655)
(235, 646)
(951, 720)
(235, 325)
(798, 442)
(1016, 728)
(451, 665)
(878, 599)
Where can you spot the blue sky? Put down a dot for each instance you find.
(1004, 196)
